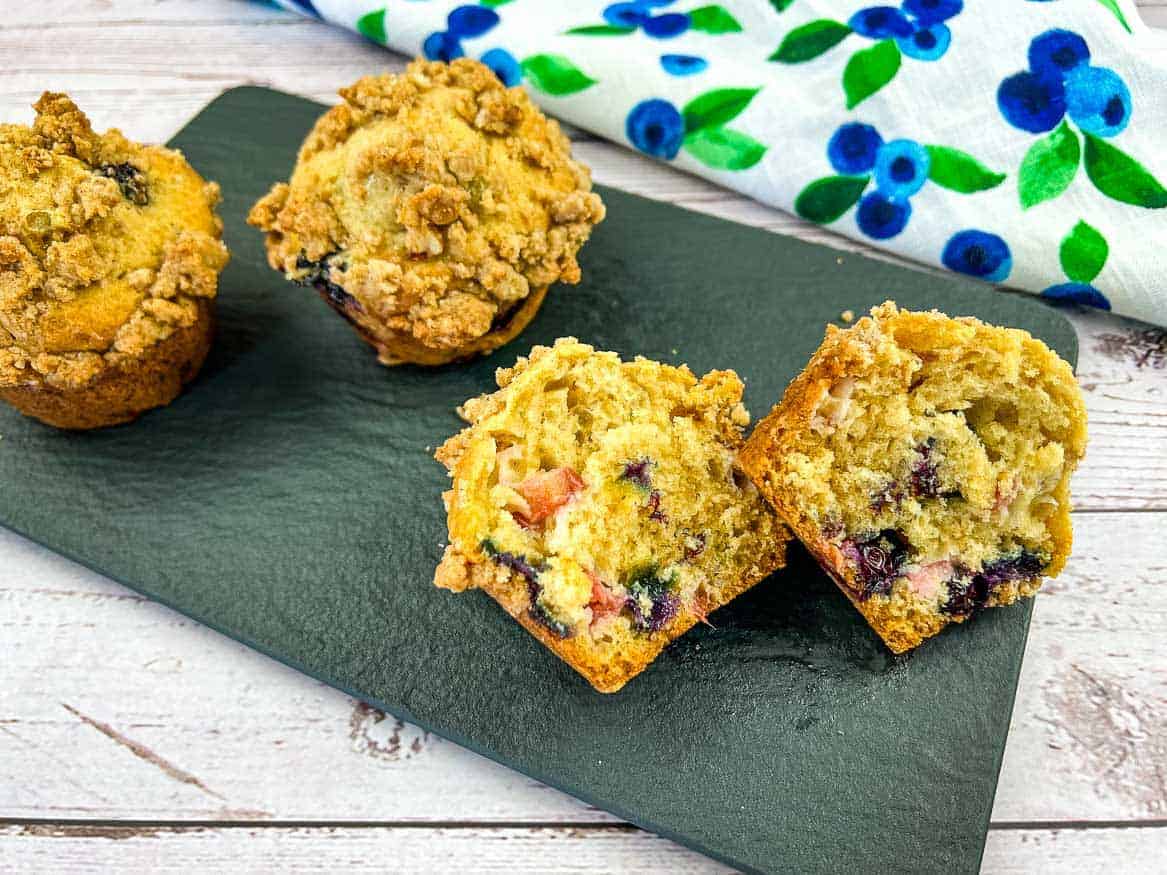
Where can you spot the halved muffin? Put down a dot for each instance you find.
(600, 503)
(109, 264)
(925, 461)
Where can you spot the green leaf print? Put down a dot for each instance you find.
(714, 108)
(555, 75)
(1083, 253)
(600, 30)
(372, 26)
(713, 19)
(959, 171)
(1120, 177)
(811, 40)
(1116, 11)
(1048, 167)
(493, 4)
(781, 5)
(869, 70)
(724, 149)
(826, 199)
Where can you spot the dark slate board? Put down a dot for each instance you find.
(289, 501)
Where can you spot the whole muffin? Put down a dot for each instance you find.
(599, 503)
(432, 210)
(926, 462)
(109, 262)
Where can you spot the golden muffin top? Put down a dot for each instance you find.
(105, 247)
(437, 198)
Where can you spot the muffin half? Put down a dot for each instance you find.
(925, 461)
(109, 264)
(599, 502)
(432, 210)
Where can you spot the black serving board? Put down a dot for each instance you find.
(289, 500)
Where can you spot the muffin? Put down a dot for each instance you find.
(600, 504)
(432, 210)
(109, 262)
(925, 461)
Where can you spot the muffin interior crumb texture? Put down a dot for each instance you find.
(599, 502)
(926, 461)
(428, 207)
(107, 249)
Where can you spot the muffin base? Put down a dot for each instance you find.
(396, 348)
(606, 673)
(123, 392)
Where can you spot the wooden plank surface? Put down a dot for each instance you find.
(119, 719)
(53, 848)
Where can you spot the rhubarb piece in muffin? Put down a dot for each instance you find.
(600, 503)
(432, 210)
(926, 462)
(109, 264)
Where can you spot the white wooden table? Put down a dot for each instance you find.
(132, 738)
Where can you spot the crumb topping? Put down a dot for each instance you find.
(105, 247)
(440, 200)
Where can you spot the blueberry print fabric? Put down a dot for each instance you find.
(1019, 142)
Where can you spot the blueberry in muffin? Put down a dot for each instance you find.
(110, 253)
(925, 461)
(432, 210)
(600, 503)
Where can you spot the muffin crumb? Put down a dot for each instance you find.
(598, 501)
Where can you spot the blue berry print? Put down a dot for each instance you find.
(880, 216)
(853, 147)
(626, 14)
(929, 12)
(926, 43)
(901, 168)
(1063, 82)
(666, 26)
(466, 22)
(442, 46)
(1077, 293)
(880, 22)
(683, 65)
(1031, 102)
(656, 128)
(1056, 52)
(1098, 100)
(978, 253)
(504, 66)
(638, 15)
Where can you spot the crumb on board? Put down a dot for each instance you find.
(847, 316)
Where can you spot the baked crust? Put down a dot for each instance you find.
(108, 250)
(125, 390)
(606, 671)
(796, 459)
(432, 209)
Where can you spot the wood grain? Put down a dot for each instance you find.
(114, 709)
(48, 848)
